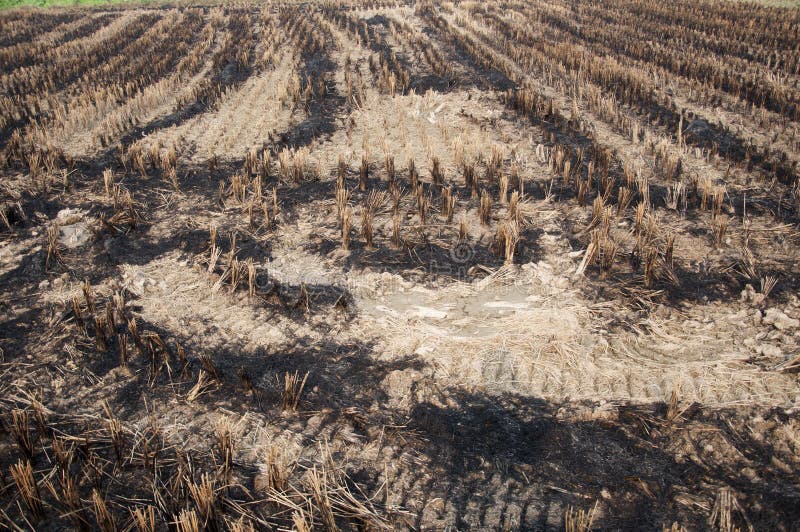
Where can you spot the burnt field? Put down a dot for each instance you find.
(345, 266)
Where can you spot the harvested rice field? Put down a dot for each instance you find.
(374, 265)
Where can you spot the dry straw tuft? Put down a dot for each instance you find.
(21, 429)
(144, 519)
(485, 209)
(105, 521)
(22, 473)
(292, 390)
(346, 223)
(507, 238)
(579, 520)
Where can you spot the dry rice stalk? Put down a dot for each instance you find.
(204, 498)
(144, 518)
(390, 171)
(507, 237)
(374, 201)
(108, 181)
(676, 196)
(367, 229)
(63, 455)
(181, 355)
(172, 176)
(363, 174)
(115, 431)
(582, 188)
(513, 208)
(118, 301)
(78, 314)
(209, 367)
(221, 194)
(471, 181)
(747, 262)
(246, 381)
(768, 283)
(53, 249)
(580, 520)
(5, 212)
(413, 176)
(105, 521)
(650, 257)
(516, 179)
(110, 317)
(485, 209)
(423, 203)
(338, 494)
(265, 212)
(21, 429)
(624, 197)
(240, 525)
(251, 278)
(303, 299)
(258, 191)
(725, 504)
(266, 163)
(40, 413)
(468, 172)
(71, 500)
(341, 173)
(588, 258)
(318, 483)
(292, 389)
(278, 470)
(251, 213)
(88, 295)
(607, 251)
(641, 208)
(463, 230)
(718, 200)
(719, 226)
(503, 189)
(436, 171)
(285, 163)
(154, 154)
(201, 386)
(448, 204)
(672, 407)
(300, 522)
(133, 330)
(216, 252)
(188, 521)
(342, 199)
(100, 334)
(598, 208)
(232, 251)
(224, 432)
(669, 251)
(22, 472)
(346, 221)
